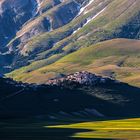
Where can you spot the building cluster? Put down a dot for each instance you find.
(82, 77)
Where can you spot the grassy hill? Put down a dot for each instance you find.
(117, 58)
(101, 20)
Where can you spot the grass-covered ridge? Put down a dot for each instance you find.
(118, 58)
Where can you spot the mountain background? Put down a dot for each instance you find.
(42, 39)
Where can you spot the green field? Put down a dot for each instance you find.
(127, 129)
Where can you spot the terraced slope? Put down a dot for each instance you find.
(118, 58)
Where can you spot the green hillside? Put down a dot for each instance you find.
(118, 58)
(102, 20)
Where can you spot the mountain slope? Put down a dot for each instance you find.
(86, 23)
(118, 58)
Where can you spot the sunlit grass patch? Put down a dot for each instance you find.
(115, 129)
